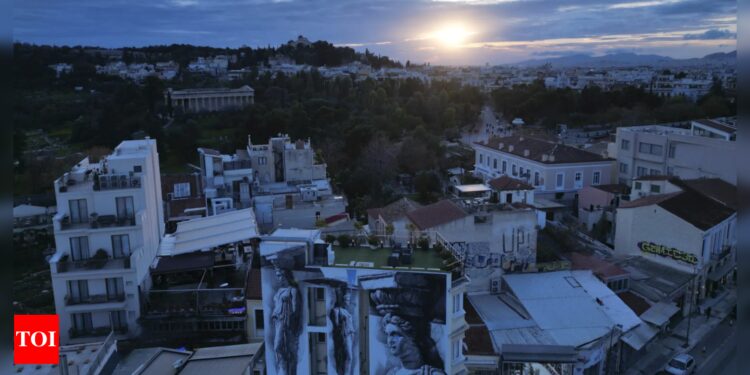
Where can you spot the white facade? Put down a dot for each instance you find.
(663, 150)
(216, 99)
(107, 229)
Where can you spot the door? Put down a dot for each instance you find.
(578, 180)
(509, 198)
(125, 208)
(78, 290)
(114, 289)
(79, 212)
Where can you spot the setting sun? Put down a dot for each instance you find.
(453, 35)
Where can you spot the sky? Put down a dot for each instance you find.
(442, 32)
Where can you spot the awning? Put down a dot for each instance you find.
(539, 353)
(639, 336)
(183, 263)
(660, 313)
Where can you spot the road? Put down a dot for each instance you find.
(721, 351)
(489, 125)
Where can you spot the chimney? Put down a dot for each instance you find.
(526, 153)
(500, 145)
(545, 157)
(552, 158)
(510, 148)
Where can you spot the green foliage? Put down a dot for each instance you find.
(423, 243)
(330, 238)
(373, 240)
(345, 240)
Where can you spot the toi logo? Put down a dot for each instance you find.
(36, 339)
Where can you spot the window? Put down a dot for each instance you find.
(481, 158)
(317, 306)
(515, 170)
(259, 323)
(137, 169)
(82, 322)
(670, 171)
(655, 172)
(520, 171)
(120, 246)
(671, 151)
(623, 168)
(578, 180)
(181, 190)
(125, 208)
(559, 180)
(625, 144)
(494, 164)
(79, 248)
(655, 188)
(262, 160)
(597, 178)
(78, 291)
(115, 290)
(638, 185)
(641, 171)
(457, 302)
(650, 148)
(505, 166)
(118, 319)
(79, 213)
(456, 349)
(536, 178)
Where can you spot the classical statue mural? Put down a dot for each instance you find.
(343, 332)
(285, 319)
(407, 312)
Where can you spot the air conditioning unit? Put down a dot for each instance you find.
(135, 182)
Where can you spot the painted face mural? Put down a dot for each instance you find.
(407, 313)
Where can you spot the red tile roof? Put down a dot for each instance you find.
(600, 267)
(394, 210)
(635, 302)
(536, 148)
(508, 183)
(436, 214)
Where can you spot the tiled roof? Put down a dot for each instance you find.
(697, 209)
(556, 153)
(395, 210)
(508, 183)
(654, 177)
(636, 303)
(613, 188)
(600, 267)
(436, 214)
(715, 188)
(647, 200)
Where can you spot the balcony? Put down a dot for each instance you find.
(97, 222)
(95, 332)
(92, 264)
(717, 256)
(237, 164)
(93, 299)
(116, 182)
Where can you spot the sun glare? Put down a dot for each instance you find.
(452, 36)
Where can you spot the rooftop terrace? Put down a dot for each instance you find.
(365, 257)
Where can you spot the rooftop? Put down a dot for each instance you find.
(720, 126)
(652, 280)
(215, 90)
(365, 257)
(542, 151)
(613, 188)
(211, 231)
(436, 214)
(506, 182)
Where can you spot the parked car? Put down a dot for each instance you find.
(680, 364)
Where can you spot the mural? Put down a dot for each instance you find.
(408, 315)
(336, 320)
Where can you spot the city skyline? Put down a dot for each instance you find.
(440, 32)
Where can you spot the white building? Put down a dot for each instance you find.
(555, 170)
(706, 149)
(213, 99)
(329, 311)
(107, 229)
(689, 225)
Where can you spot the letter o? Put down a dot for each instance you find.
(33, 339)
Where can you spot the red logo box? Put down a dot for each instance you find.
(36, 339)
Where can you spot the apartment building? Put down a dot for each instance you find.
(555, 170)
(330, 311)
(107, 229)
(705, 149)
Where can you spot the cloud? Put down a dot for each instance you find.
(642, 4)
(712, 35)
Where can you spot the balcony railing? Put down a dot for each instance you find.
(92, 264)
(115, 182)
(92, 299)
(95, 222)
(94, 332)
(721, 254)
(237, 164)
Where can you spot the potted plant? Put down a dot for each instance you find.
(98, 260)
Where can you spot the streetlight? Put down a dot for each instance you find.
(693, 291)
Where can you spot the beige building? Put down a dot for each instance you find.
(706, 149)
(213, 99)
(555, 170)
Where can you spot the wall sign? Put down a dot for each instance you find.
(668, 252)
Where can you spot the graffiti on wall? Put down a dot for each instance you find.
(667, 252)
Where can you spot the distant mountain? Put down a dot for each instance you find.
(628, 60)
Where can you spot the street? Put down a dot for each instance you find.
(489, 125)
(721, 354)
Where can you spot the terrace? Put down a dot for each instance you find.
(418, 259)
